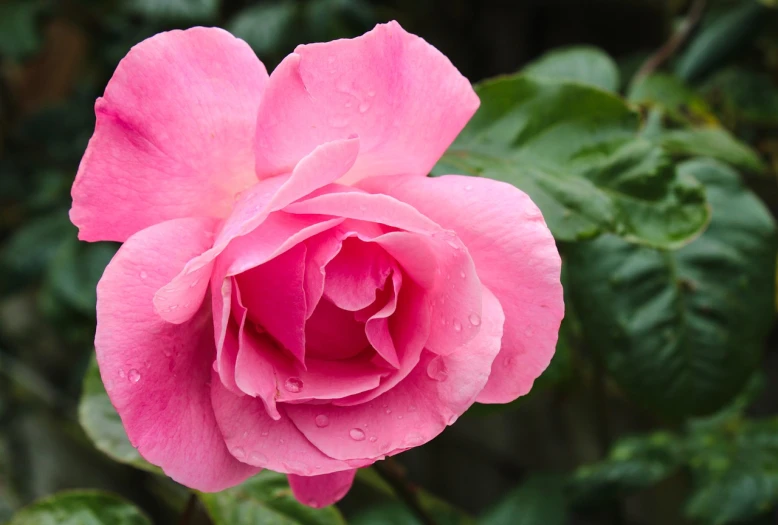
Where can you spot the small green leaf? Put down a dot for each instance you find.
(716, 143)
(576, 151)
(538, 501)
(174, 10)
(265, 498)
(633, 464)
(586, 65)
(266, 27)
(102, 424)
(682, 331)
(80, 508)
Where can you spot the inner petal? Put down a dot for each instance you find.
(334, 333)
(356, 273)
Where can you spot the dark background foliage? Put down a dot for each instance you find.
(660, 405)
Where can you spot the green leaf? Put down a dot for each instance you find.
(735, 471)
(674, 97)
(719, 38)
(576, 151)
(266, 27)
(443, 512)
(682, 331)
(32, 248)
(741, 95)
(634, 464)
(18, 27)
(716, 143)
(75, 271)
(102, 424)
(586, 65)
(81, 507)
(265, 498)
(174, 10)
(538, 501)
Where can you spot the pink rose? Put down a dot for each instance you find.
(293, 292)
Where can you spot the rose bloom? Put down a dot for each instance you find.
(293, 292)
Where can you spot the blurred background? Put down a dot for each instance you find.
(579, 449)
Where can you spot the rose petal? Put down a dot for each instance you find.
(256, 439)
(355, 274)
(174, 134)
(326, 163)
(417, 409)
(333, 333)
(401, 96)
(515, 256)
(323, 490)
(274, 296)
(157, 373)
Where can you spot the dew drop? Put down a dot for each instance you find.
(413, 438)
(443, 321)
(258, 457)
(264, 433)
(475, 319)
(239, 453)
(452, 244)
(121, 373)
(364, 106)
(436, 369)
(462, 274)
(133, 375)
(388, 410)
(457, 325)
(322, 421)
(373, 439)
(143, 275)
(400, 417)
(356, 434)
(294, 384)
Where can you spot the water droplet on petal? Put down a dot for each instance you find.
(264, 433)
(388, 410)
(143, 275)
(475, 319)
(121, 373)
(239, 453)
(413, 438)
(356, 434)
(452, 244)
(133, 375)
(399, 417)
(364, 106)
(457, 325)
(373, 439)
(462, 274)
(436, 369)
(322, 421)
(294, 384)
(257, 457)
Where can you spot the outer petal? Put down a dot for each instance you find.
(157, 373)
(320, 491)
(515, 257)
(256, 439)
(173, 136)
(416, 410)
(401, 96)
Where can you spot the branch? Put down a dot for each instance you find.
(392, 473)
(674, 43)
